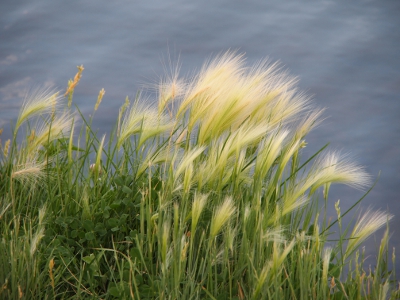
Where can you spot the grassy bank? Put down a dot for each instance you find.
(202, 197)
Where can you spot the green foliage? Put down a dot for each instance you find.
(206, 200)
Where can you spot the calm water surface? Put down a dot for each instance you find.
(346, 54)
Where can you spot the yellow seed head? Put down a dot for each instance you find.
(198, 205)
(145, 121)
(99, 98)
(221, 216)
(369, 223)
(36, 240)
(184, 246)
(53, 128)
(333, 284)
(165, 239)
(51, 266)
(31, 136)
(181, 137)
(6, 147)
(325, 266)
(73, 83)
(29, 172)
(40, 102)
(20, 293)
(126, 105)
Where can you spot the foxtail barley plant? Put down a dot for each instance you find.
(204, 195)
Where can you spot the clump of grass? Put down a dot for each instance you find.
(204, 195)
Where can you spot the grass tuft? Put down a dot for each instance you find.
(203, 196)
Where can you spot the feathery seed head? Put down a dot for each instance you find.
(155, 156)
(231, 235)
(249, 135)
(145, 121)
(369, 223)
(36, 240)
(165, 239)
(39, 102)
(287, 154)
(169, 91)
(278, 256)
(170, 86)
(99, 98)
(97, 169)
(221, 216)
(42, 213)
(335, 169)
(269, 150)
(39, 234)
(331, 169)
(275, 235)
(187, 178)
(184, 247)
(181, 137)
(310, 122)
(226, 94)
(125, 106)
(292, 203)
(247, 212)
(188, 159)
(53, 128)
(71, 142)
(199, 202)
(6, 147)
(326, 259)
(211, 80)
(29, 172)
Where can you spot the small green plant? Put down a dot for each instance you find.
(203, 197)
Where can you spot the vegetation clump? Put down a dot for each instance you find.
(202, 197)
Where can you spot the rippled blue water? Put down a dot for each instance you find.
(346, 54)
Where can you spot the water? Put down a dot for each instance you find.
(346, 54)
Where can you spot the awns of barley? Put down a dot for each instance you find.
(38, 102)
(216, 170)
(225, 112)
(225, 94)
(29, 172)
